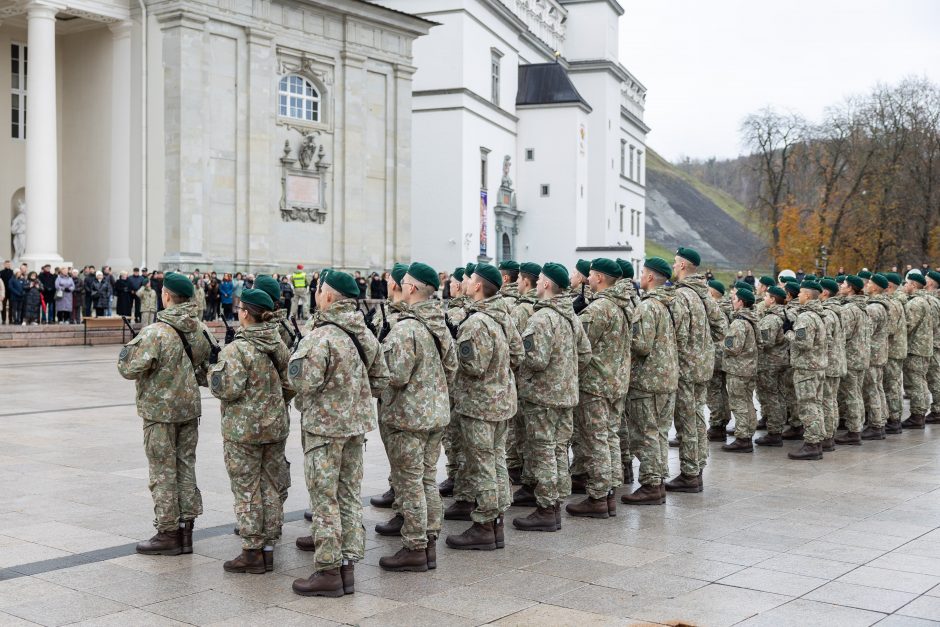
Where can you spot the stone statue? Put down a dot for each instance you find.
(18, 230)
(307, 151)
(507, 182)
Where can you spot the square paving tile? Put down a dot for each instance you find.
(773, 581)
(621, 555)
(805, 565)
(68, 607)
(575, 568)
(890, 579)
(650, 582)
(862, 597)
(351, 608)
(552, 615)
(203, 607)
(476, 605)
(813, 614)
(525, 584)
(275, 617)
(896, 620)
(713, 605)
(926, 607)
(134, 616)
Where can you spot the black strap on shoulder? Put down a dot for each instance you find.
(355, 341)
(186, 346)
(286, 326)
(437, 342)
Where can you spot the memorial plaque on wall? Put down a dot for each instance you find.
(303, 190)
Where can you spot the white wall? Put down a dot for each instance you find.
(592, 31)
(12, 151)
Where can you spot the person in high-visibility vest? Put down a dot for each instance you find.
(299, 281)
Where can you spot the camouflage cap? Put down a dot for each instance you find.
(343, 283)
(489, 274)
(880, 280)
(659, 266)
(269, 285)
(607, 266)
(259, 298)
(179, 284)
(557, 274)
(718, 286)
(626, 268)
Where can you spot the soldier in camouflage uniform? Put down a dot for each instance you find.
(760, 294)
(509, 271)
(625, 287)
(809, 358)
(269, 286)
(453, 316)
(337, 370)
(199, 297)
(739, 362)
(876, 406)
(148, 303)
(415, 408)
(250, 379)
(489, 349)
(699, 324)
(654, 378)
(857, 328)
(897, 352)
(525, 306)
(772, 358)
(836, 368)
(933, 372)
(719, 413)
(921, 319)
(795, 429)
(168, 360)
(608, 323)
(556, 349)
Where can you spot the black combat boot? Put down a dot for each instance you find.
(524, 496)
(186, 536)
(873, 433)
(459, 510)
(392, 527)
(446, 487)
(807, 452)
(769, 439)
(739, 445)
(384, 501)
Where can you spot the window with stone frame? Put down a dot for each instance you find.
(298, 99)
(18, 69)
(495, 57)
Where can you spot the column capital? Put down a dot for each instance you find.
(121, 29)
(404, 71)
(181, 19)
(42, 9)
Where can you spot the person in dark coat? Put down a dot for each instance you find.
(212, 298)
(375, 287)
(89, 282)
(78, 297)
(6, 307)
(363, 286)
(101, 294)
(32, 299)
(47, 283)
(136, 280)
(125, 297)
(17, 294)
(156, 282)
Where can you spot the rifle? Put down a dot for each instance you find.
(129, 327)
(297, 335)
(386, 327)
(229, 331)
(579, 304)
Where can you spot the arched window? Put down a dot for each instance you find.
(507, 247)
(298, 99)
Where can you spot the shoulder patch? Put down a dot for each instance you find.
(295, 367)
(765, 335)
(216, 381)
(124, 353)
(729, 342)
(636, 329)
(528, 343)
(801, 333)
(466, 350)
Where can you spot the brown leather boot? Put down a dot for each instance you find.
(524, 496)
(268, 561)
(186, 536)
(384, 501)
(406, 560)
(557, 515)
(308, 515)
(542, 519)
(873, 433)
(932, 418)
(589, 508)
(305, 543)
(762, 424)
(250, 561)
(499, 531)
(893, 427)
(739, 445)
(392, 527)
(628, 473)
(323, 583)
(515, 475)
(164, 543)
(916, 421)
(579, 484)
(611, 504)
(807, 452)
(647, 494)
(431, 552)
(828, 445)
(851, 438)
(684, 483)
(793, 434)
(459, 510)
(446, 487)
(675, 442)
(479, 537)
(716, 434)
(769, 439)
(347, 572)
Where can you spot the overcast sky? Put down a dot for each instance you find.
(707, 64)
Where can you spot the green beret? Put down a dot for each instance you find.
(855, 281)
(531, 268)
(743, 285)
(768, 281)
(343, 283)
(510, 265)
(583, 266)
(776, 290)
(399, 270)
(880, 280)
(469, 269)
(659, 266)
(689, 255)
(810, 284)
(269, 286)
(259, 298)
(790, 279)
(864, 275)
(840, 279)
(324, 272)
(830, 286)
(747, 296)
(893, 277)
(607, 266)
(557, 273)
(424, 273)
(792, 288)
(458, 274)
(718, 286)
(914, 275)
(179, 284)
(934, 276)
(489, 273)
(626, 268)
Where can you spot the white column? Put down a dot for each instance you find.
(119, 217)
(42, 173)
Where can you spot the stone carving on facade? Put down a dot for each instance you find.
(507, 214)
(303, 181)
(18, 230)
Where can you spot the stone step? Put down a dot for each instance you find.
(18, 336)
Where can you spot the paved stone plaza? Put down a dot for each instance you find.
(851, 540)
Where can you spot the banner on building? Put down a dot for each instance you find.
(483, 223)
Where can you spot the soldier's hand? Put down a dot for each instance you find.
(579, 304)
(229, 335)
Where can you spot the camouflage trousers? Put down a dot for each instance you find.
(623, 434)
(851, 400)
(741, 400)
(933, 381)
(691, 426)
(413, 457)
(488, 481)
(256, 473)
(830, 405)
(333, 471)
(383, 435)
(596, 423)
(876, 412)
(808, 388)
(790, 399)
(548, 433)
(171, 457)
(719, 407)
(894, 388)
(650, 418)
(456, 460)
(770, 396)
(515, 441)
(147, 317)
(915, 383)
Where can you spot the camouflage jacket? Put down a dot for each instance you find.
(897, 340)
(489, 349)
(457, 309)
(148, 298)
(608, 322)
(200, 300)
(167, 380)
(250, 379)
(835, 338)
(809, 348)
(510, 292)
(920, 323)
(934, 299)
(626, 288)
(655, 365)
(878, 313)
(699, 324)
(857, 328)
(525, 306)
(334, 383)
(556, 350)
(774, 350)
(724, 305)
(739, 347)
(285, 329)
(422, 364)
(393, 312)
